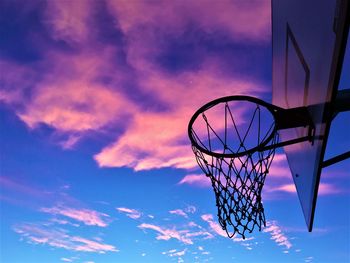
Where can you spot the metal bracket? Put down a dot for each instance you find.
(336, 159)
(341, 104)
(293, 118)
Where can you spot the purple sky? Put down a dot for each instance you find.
(96, 166)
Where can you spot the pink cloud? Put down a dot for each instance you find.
(70, 142)
(196, 180)
(279, 167)
(213, 225)
(66, 93)
(62, 222)
(68, 20)
(91, 246)
(277, 234)
(88, 217)
(132, 213)
(328, 189)
(178, 212)
(17, 80)
(144, 23)
(240, 19)
(59, 238)
(69, 96)
(159, 139)
(166, 234)
(21, 187)
(202, 233)
(324, 189)
(76, 104)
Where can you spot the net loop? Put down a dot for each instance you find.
(231, 153)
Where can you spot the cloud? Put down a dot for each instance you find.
(132, 213)
(70, 99)
(16, 82)
(324, 189)
(190, 209)
(58, 238)
(279, 167)
(213, 225)
(68, 20)
(178, 212)
(62, 222)
(277, 234)
(124, 85)
(244, 24)
(66, 259)
(216, 228)
(156, 139)
(70, 142)
(309, 259)
(87, 216)
(199, 180)
(159, 139)
(166, 234)
(175, 253)
(22, 187)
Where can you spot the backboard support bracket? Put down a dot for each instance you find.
(336, 159)
(341, 104)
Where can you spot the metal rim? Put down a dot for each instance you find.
(271, 108)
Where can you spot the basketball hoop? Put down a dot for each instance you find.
(231, 153)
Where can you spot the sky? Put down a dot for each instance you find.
(96, 166)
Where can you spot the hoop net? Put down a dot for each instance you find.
(229, 153)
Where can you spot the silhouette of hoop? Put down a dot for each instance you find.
(237, 172)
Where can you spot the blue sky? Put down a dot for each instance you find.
(96, 165)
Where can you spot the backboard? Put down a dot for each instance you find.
(308, 45)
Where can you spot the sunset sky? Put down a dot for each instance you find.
(96, 165)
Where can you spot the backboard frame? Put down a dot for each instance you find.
(290, 17)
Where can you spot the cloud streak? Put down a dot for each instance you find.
(324, 189)
(215, 227)
(86, 216)
(199, 180)
(166, 234)
(178, 212)
(277, 234)
(58, 238)
(132, 213)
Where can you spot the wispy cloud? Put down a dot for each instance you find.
(59, 238)
(214, 225)
(324, 189)
(178, 212)
(23, 188)
(66, 259)
(79, 112)
(277, 234)
(132, 213)
(309, 259)
(86, 216)
(166, 234)
(196, 180)
(175, 253)
(63, 222)
(191, 209)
